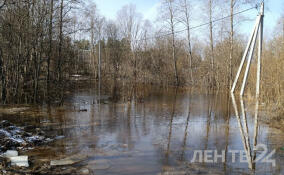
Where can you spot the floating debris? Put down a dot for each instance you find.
(59, 137)
(83, 110)
(102, 164)
(84, 171)
(68, 160)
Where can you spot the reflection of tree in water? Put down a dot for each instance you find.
(210, 104)
(113, 117)
(182, 156)
(170, 127)
(125, 129)
(144, 121)
(227, 131)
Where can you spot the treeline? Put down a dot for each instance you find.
(36, 50)
(44, 42)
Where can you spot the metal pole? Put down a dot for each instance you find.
(258, 79)
(249, 60)
(259, 50)
(245, 54)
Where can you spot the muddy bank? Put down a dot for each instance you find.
(274, 122)
(273, 115)
(18, 138)
(15, 139)
(269, 114)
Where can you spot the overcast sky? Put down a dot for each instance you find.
(149, 9)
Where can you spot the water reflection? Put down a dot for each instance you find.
(182, 156)
(243, 126)
(162, 131)
(171, 126)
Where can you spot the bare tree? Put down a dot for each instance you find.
(210, 5)
(50, 45)
(232, 4)
(130, 23)
(60, 40)
(3, 80)
(90, 13)
(147, 30)
(169, 16)
(185, 18)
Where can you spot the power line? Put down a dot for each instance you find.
(198, 26)
(194, 27)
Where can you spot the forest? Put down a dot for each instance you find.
(44, 43)
(82, 92)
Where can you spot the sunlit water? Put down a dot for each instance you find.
(150, 137)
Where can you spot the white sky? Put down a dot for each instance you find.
(149, 9)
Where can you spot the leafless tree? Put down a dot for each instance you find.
(90, 13)
(51, 11)
(130, 21)
(185, 19)
(169, 14)
(210, 6)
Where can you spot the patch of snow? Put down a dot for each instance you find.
(21, 161)
(11, 153)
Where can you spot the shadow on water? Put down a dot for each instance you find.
(158, 134)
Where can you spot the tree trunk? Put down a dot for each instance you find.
(173, 43)
(36, 74)
(188, 40)
(18, 70)
(60, 41)
(174, 58)
(3, 82)
(50, 46)
(231, 44)
(211, 43)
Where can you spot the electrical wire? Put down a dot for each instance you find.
(200, 25)
(194, 27)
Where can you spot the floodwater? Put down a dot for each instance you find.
(158, 135)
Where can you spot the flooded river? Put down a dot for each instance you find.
(158, 135)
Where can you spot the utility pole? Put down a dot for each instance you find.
(258, 28)
(259, 50)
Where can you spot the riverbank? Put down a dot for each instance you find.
(274, 116)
